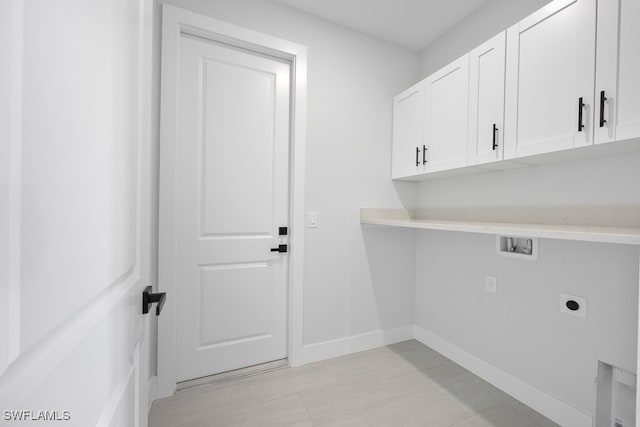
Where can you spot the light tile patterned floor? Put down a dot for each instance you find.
(404, 384)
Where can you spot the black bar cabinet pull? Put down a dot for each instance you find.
(495, 142)
(424, 154)
(580, 108)
(602, 100)
(417, 155)
(149, 298)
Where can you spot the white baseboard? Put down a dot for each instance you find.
(549, 406)
(353, 344)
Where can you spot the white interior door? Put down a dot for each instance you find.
(486, 100)
(231, 197)
(76, 103)
(550, 68)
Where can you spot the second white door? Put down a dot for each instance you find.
(231, 177)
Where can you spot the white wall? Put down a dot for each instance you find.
(520, 330)
(485, 22)
(595, 182)
(355, 281)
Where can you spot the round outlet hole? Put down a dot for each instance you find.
(573, 305)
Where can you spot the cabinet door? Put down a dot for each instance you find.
(618, 71)
(408, 132)
(550, 69)
(446, 123)
(486, 101)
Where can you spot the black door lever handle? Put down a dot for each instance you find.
(149, 298)
(280, 248)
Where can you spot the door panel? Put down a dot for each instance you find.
(232, 179)
(550, 65)
(486, 100)
(446, 121)
(238, 108)
(408, 131)
(223, 303)
(628, 118)
(617, 71)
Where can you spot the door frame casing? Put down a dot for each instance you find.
(176, 21)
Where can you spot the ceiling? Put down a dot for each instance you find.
(413, 24)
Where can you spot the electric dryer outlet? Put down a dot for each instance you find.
(573, 305)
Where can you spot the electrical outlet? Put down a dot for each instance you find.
(490, 284)
(312, 219)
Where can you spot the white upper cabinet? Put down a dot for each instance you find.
(618, 71)
(535, 88)
(446, 120)
(486, 101)
(550, 74)
(408, 132)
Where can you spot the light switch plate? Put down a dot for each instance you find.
(312, 219)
